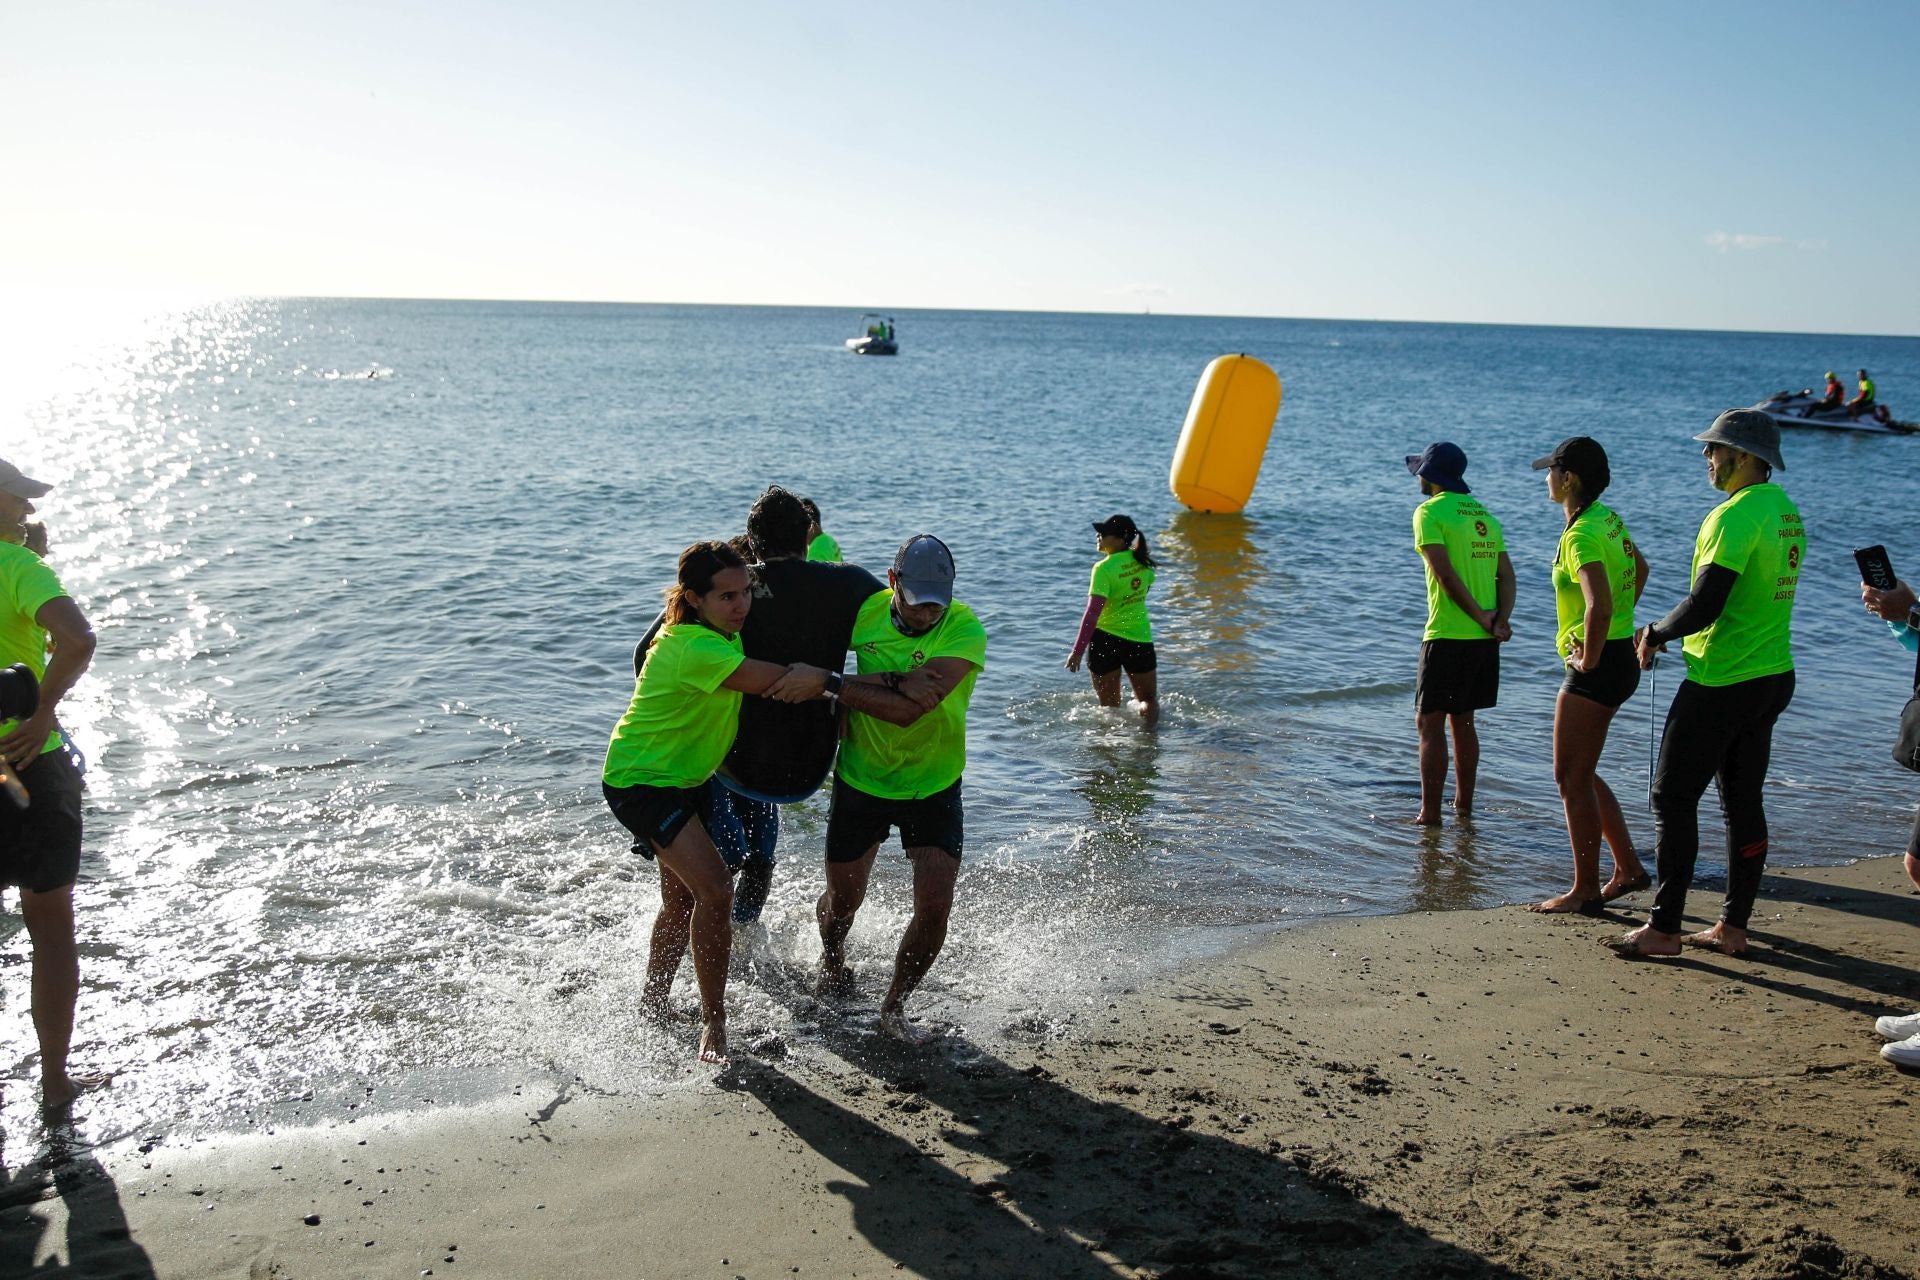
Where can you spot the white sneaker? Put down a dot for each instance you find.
(1892, 1028)
(1903, 1053)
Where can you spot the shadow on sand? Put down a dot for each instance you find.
(985, 1169)
(97, 1244)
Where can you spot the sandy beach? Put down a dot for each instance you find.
(1458, 1094)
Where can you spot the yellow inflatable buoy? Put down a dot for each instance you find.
(1225, 439)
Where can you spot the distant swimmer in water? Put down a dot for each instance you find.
(919, 652)
(660, 764)
(1469, 598)
(1115, 631)
(1738, 623)
(1598, 573)
(820, 543)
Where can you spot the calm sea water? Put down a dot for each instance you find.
(367, 578)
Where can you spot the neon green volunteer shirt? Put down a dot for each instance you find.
(681, 722)
(1757, 534)
(1596, 536)
(823, 548)
(907, 762)
(26, 583)
(1474, 546)
(1124, 581)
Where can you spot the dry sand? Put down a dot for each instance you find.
(1465, 1094)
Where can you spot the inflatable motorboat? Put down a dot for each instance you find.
(1799, 409)
(876, 337)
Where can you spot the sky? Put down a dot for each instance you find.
(1685, 164)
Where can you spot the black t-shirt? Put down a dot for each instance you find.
(803, 611)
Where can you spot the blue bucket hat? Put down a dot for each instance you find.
(1441, 465)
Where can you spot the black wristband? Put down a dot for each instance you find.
(1652, 637)
(835, 683)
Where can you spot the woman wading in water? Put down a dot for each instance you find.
(662, 757)
(1115, 631)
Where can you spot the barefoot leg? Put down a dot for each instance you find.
(934, 873)
(846, 890)
(1433, 765)
(1146, 693)
(692, 859)
(1466, 761)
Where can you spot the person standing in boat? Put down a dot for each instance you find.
(1598, 574)
(1862, 403)
(1738, 624)
(1115, 630)
(1469, 598)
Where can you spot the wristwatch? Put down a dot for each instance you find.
(1913, 617)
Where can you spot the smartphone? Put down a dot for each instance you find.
(1875, 569)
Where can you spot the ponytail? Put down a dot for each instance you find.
(1139, 549)
(699, 565)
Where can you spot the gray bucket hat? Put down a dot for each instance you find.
(1749, 431)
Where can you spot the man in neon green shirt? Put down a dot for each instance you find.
(42, 628)
(1737, 624)
(1469, 598)
(919, 652)
(1862, 403)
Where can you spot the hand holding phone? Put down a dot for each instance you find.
(1876, 570)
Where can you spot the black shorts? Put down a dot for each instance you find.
(1109, 652)
(857, 821)
(657, 815)
(1613, 681)
(40, 844)
(1457, 676)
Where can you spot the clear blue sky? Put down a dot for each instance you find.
(1678, 164)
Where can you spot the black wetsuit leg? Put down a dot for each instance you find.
(1723, 734)
(1743, 775)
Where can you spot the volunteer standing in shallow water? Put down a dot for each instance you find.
(1598, 574)
(659, 766)
(1738, 628)
(1115, 631)
(1469, 598)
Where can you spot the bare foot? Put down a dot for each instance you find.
(1425, 819)
(1149, 712)
(1566, 904)
(713, 1041)
(58, 1096)
(1646, 941)
(1624, 883)
(894, 1022)
(661, 1013)
(1723, 937)
(834, 980)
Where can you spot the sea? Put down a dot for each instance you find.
(367, 578)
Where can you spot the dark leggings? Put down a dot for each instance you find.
(1722, 735)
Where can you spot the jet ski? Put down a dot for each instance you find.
(1799, 409)
(876, 337)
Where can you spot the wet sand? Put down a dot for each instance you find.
(1464, 1094)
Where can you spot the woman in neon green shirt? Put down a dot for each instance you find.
(1115, 627)
(663, 753)
(1597, 576)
